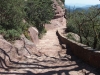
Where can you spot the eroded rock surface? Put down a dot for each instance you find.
(33, 32)
(17, 52)
(6, 47)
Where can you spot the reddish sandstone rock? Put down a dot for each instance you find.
(5, 45)
(25, 47)
(59, 10)
(16, 51)
(29, 46)
(33, 32)
(7, 50)
(59, 19)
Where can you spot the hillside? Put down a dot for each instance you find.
(78, 8)
(29, 55)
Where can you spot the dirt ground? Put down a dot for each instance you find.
(54, 60)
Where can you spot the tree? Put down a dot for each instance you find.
(94, 17)
(86, 24)
(13, 12)
(39, 12)
(11, 15)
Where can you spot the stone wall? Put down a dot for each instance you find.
(82, 51)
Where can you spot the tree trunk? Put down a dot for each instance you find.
(95, 42)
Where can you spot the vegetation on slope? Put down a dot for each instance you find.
(38, 13)
(86, 24)
(13, 12)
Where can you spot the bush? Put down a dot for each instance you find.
(11, 15)
(71, 28)
(39, 12)
(34, 12)
(86, 24)
(43, 31)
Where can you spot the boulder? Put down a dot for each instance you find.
(33, 32)
(26, 47)
(16, 51)
(7, 51)
(5, 45)
(73, 36)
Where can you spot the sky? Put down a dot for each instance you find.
(81, 2)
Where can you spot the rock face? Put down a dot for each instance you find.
(7, 51)
(16, 51)
(73, 36)
(59, 10)
(25, 47)
(33, 32)
(59, 19)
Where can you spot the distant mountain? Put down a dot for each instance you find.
(78, 8)
(98, 5)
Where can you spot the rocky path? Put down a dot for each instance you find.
(49, 44)
(53, 61)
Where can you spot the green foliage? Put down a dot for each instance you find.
(71, 27)
(43, 31)
(11, 15)
(13, 12)
(70, 37)
(63, 1)
(12, 35)
(86, 24)
(39, 12)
